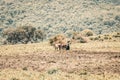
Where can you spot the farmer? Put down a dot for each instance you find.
(68, 45)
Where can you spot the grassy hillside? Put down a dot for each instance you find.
(61, 16)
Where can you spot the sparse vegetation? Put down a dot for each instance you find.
(87, 33)
(25, 69)
(109, 23)
(117, 17)
(106, 37)
(116, 35)
(96, 38)
(52, 71)
(14, 79)
(77, 37)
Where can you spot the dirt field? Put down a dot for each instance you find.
(76, 64)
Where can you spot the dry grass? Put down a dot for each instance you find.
(13, 58)
(22, 49)
(10, 74)
(98, 46)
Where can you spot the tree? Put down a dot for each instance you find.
(23, 34)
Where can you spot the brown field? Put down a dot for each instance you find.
(39, 61)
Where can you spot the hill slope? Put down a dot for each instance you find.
(60, 16)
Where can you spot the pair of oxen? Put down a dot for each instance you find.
(62, 46)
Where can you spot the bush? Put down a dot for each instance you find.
(52, 71)
(10, 35)
(91, 38)
(117, 17)
(96, 38)
(99, 36)
(109, 23)
(23, 34)
(116, 35)
(110, 38)
(39, 35)
(57, 39)
(87, 32)
(83, 40)
(106, 37)
(14, 79)
(25, 69)
(79, 38)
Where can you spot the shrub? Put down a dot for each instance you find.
(14, 79)
(74, 35)
(23, 34)
(10, 35)
(117, 17)
(99, 36)
(110, 38)
(109, 23)
(39, 35)
(96, 38)
(91, 38)
(25, 68)
(83, 40)
(79, 38)
(106, 37)
(87, 32)
(52, 71)
(83, 73)
(57, 39)
(116, 35)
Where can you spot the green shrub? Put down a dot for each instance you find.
(25, 68)
(22, 34)
(91, 38)
(99, 36)
(39, 35)
(106, 37)
(79, 38)
(83, 73)
(14, 79)
(110, 38)
(109, 23)
(83, 41)
(52, 71)
(96, 38)
(117, 17)
(116, 35)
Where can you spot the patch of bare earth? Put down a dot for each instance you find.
(73, 61)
